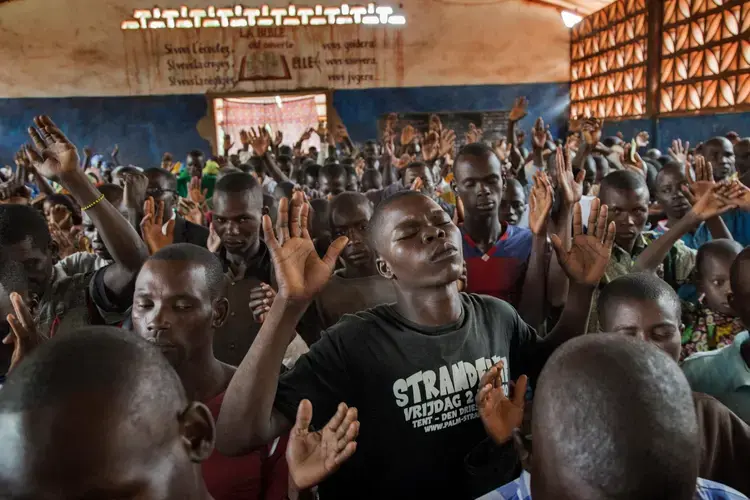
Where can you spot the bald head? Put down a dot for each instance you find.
(614, 419)
(101, 410)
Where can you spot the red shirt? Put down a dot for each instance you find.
(262, 474)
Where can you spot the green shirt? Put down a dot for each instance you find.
(676, 269)
(722, 374)
(208, 181)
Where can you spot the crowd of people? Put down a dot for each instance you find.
(378, 320)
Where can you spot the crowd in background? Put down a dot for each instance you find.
(169, 329)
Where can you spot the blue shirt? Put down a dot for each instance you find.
(692, 240)
(738, 223)
(722, 374)
(520, 489)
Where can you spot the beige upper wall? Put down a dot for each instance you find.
(76, 48)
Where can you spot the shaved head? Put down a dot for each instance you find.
(613, 418)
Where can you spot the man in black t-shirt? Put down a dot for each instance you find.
(411, 368)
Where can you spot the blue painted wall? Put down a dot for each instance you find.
(359, 109)
(688, 128)
(146, 127)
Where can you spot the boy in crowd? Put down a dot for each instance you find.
(357, 286)
(99, 257)
(411, 368)
(643, 306)
(332, 179)
(724, 373)
(179, 302)
(502, 260)
(66, 302)
(116, 403)
(632, 397)
(670, 182)
(513, 203)
(626, 195)
(194, 166)
(710, 322)
(238, 205)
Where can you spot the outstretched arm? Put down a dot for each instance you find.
(248, 417)
(57, 159)
(584, 263)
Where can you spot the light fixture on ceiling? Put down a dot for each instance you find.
(570, 19)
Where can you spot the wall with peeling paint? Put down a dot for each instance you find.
(76, 48)
(70, 59)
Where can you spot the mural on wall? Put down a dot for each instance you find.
(264, 49)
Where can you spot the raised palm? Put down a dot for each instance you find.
(540, 204)
(519, 110)
(53, 155)
(588, 256)
(313, 456)
(500, 414)
(571, 187)
(300, 273)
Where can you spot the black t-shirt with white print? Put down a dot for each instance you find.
(414, 387)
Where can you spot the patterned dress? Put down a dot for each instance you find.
(706, 330)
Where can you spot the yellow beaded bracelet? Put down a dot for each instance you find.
(93, 203)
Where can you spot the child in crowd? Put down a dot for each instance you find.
(410, 256)
(711, 323)
(643, 306)
(724, 373)
(632, 397)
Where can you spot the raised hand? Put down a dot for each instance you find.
(738, 194)
(152, 226)
(592, 130)
(278, 138)
(642, 139)
(631, 160)
(571, 187)
(227, 144)
(261, 299)
(407, 135)
(499, 414)
(24, 335)
(390, 122)
(502, 150)
(678, 151)
(53, 155)
(60, 215)
(701, 182)
(431, 146)
(214, 242)
(447, 143)
(195, 194)
(519, 110)
(134, 191)
(66, 245)
(589, 253)
(573, 142)
(474, 134)
(190, 211)
(539, 134)
(714, 202)
(244, 139)
(306, 135)
(313, 456)
(16, 181)
(540, 203)
(260, 141)
(417, 185)
(300, 273)
(404, 161)
(436, 125)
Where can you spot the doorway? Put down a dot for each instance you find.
(291, 114)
